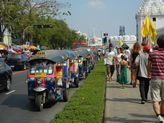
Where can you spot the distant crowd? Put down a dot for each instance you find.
(146, 65)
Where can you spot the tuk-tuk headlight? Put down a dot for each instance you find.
(30, 79)
(64, 64)
(50, 80)
(39, 81)
(59, 64)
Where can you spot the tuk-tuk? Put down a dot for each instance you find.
(70, 68)
(45, 78)
(91, 60)
(73, 69)
(83, 63)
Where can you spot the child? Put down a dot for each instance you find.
(123, 71)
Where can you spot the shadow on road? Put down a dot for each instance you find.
(21, 101)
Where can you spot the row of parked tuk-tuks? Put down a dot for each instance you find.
(52, 72)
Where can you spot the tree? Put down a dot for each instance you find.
(19, 16)
(8, 11)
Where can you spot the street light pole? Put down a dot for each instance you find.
(24, 31)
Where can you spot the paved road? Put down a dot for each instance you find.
(123, 105)
(16, 108)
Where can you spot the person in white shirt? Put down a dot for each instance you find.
(110, 63)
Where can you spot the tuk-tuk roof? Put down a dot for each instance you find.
(51, 55)
(84, 52)
(70, 54)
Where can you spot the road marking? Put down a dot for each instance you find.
(18, 72)
(10, 92)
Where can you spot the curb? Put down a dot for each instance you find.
(103, 119)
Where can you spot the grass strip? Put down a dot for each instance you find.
(87, 104)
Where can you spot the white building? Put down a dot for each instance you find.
(154, 9)
(128, 39)
(95, 41)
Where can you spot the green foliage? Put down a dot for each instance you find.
(87, 104)
(19, 16)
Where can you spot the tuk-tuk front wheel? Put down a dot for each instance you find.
(39, 102)
(76, 82)
(65, 95)
(8, 84)
(85, 74)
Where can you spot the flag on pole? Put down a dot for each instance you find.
(148, 29)
(153, 32)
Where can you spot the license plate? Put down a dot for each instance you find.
(40, 75)
(59, 74)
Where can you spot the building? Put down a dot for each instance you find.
(95, 41)
(153, 8)
(128, 39)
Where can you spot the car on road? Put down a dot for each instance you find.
(17, 61)
(5, 76)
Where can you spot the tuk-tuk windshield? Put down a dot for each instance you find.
(41, 68)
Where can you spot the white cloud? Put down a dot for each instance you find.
(96, 3)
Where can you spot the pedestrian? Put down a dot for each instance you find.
(133, 67)
(110, 63)
(156, 72)
(127, 53)
(142, 64)
(99, 54)
(123, 71)
(118, 60)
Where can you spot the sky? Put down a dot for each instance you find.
(103, 16)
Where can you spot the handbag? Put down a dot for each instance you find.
(138, 67)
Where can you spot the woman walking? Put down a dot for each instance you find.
(134, 53)
(123, 71)
(118, 59)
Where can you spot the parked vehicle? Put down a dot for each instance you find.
(83, 63)
(46, 80)
(5, 76)
(73, 69)
(3, 54)
(17, 61)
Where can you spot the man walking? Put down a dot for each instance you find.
(142, 62)
(156, 73)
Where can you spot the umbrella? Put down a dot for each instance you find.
(3, 46)
(32, 47)
(25, 46)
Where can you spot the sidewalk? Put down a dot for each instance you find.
(123, 105)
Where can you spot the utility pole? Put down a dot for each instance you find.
(35, 26)
(24, 31)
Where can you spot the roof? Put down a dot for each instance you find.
(151, 7)
(57, 56)
(51, 55)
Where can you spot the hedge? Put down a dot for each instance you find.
(87, 104)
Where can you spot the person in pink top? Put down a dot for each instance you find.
(156, 73)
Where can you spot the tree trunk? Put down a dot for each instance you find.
(1, 36)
